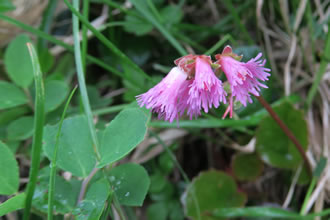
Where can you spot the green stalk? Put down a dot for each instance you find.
(84, 42)
(317, 80)
(81, 80)
(51, 189)
(52, 39)
(38, 130)
(47, 19)
(146, 13)
(219, 44)
(106, 42)
(229, 5)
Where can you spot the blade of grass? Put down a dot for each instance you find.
(39, 119)
(46, 22)
(219, 44)
(53, 166)
(68, 47)
(81, 80)
(84, 41)
(107, 42)
(139, 5)
(317, 80)
(229, 5)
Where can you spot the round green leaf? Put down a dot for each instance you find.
(55, 94)
(130, 183)
(122, 135)
(93, 204)
(18, 62)
(75, 153)
(209, 191)
(9, 177)
(21, 128)
(247, 166)
(157, 211)
(137, 25)
(274, 147)
(65, 196)
(11, 96)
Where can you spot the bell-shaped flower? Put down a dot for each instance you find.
(163, 98)
(243, 78)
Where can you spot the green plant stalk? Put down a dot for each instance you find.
(47, 19)
(160, 27)
(108, 110)
(84, 42)
(106, 42)
(53, 166)
(177, 164)
(308, 195)
(154, 11)
(38, 130)
(218, 44)
(324, 63)
(81, 81)
(52, 39)
(237, 19)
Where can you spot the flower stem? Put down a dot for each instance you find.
(287, 131)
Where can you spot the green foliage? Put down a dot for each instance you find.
(11, 96)
(6, 5)
(122, 135)
(274, 147)
(93, 204)
(130, 183)
(12, 204)
(21, 128)
(9, 178)
(55, 93)
(66, 193)
(75, 152)
(20, 69)
(209, 191)
(247, 166)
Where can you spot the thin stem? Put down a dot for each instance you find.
(105, 41)
(84, 33)
(81, 80)
(53, 166)
(85, 184)
(38, 131)
(287, 131)
(308, 195)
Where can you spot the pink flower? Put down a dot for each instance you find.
(206, 90)
(163, 98)
(243, 78)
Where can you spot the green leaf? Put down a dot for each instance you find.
(93, 204)
(212, 190)
(21, 128)
(18, 62)
(65, 197)
(12, 204)
(122, 135)
(256, 212)
(130, 183)
(75, 152)
(172, 14)
(137, 25)
(6, 5)
(157, 211)
(55, 94)
(247, 167)
(11, 96)
(9, 177)
(46, 60)
(274, 147)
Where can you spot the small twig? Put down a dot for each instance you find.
(85, 184)
(287, 131)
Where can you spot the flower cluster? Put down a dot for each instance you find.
(192, 86)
